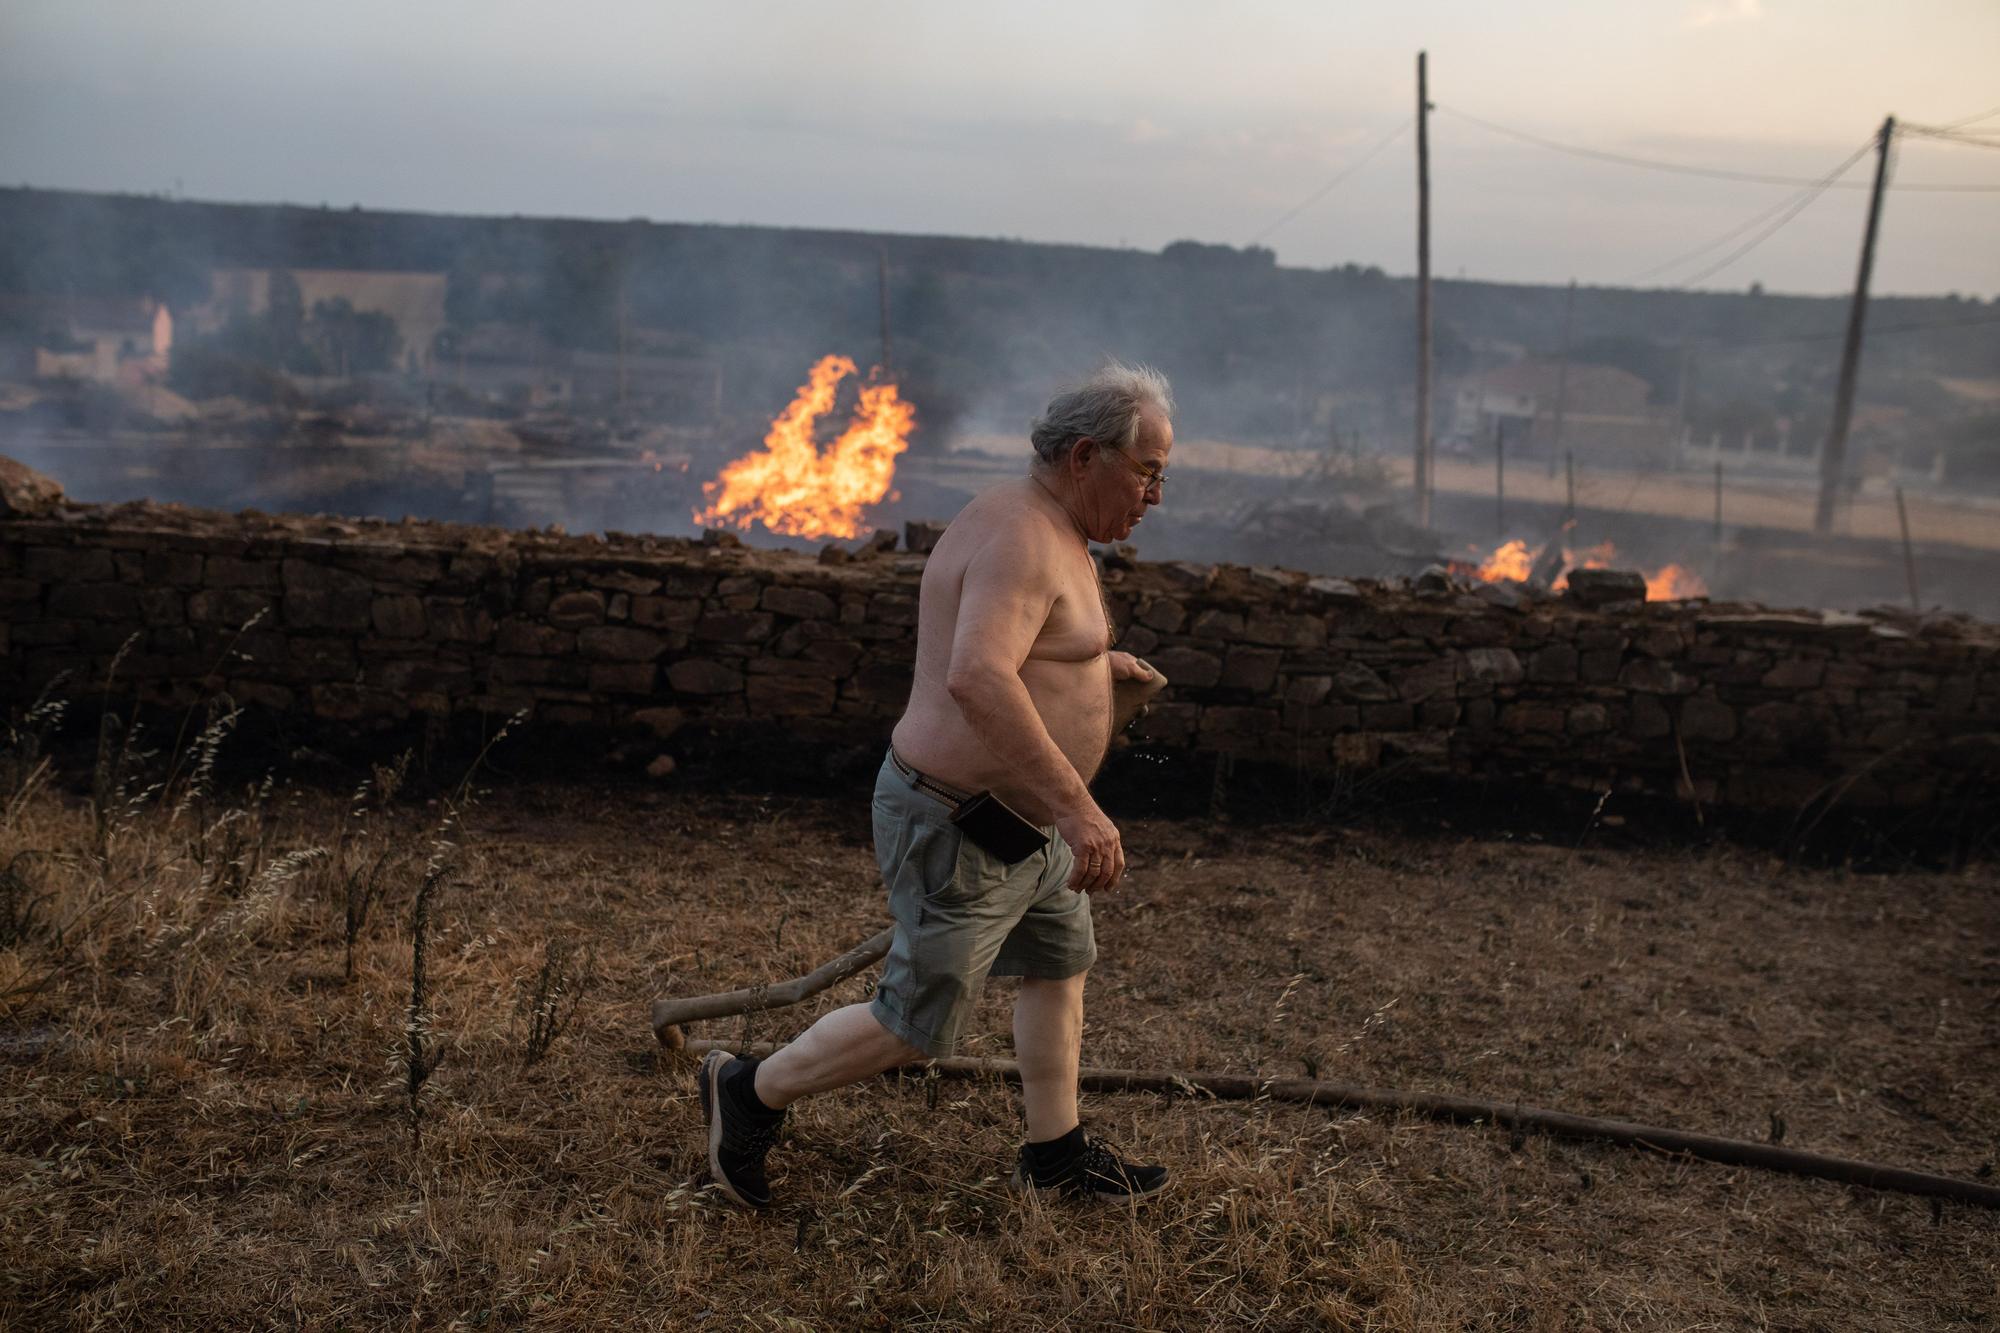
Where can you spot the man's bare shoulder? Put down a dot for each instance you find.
(1004, 516)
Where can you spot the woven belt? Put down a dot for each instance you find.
(928, 785)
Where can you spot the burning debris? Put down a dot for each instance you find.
(794, 487)
(1282, 531)
(1552, 563)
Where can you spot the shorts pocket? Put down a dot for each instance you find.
(938, 856)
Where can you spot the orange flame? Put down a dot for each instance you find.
(1512, 561)
(1515, 560)
(791, 487)
(1675, 583)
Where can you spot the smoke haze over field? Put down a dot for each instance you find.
(1226, 194)
(1107, 124)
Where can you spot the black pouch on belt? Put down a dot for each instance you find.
(997, 830)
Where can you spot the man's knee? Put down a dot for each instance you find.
(892, 1047)
(899, 1052)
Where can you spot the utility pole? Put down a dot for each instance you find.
(882, 290)
(1681, 400)
(1423, 442)
(1909, 553)
(1499, 477)
(1833, 455)
(1562, 377)
(623, 338)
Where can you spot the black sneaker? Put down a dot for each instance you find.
(1093, 1171)
(737, 1139)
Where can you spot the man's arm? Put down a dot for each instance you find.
(1009, 588)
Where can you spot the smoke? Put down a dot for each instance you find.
(593, 374)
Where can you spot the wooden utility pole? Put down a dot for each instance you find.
(1423, 441)
(1833, 455)
(1562, 376)
(1681, 394)
(1718, 504)
(1499, 477)
(882, 290)
(624, 338)
(1909, 553)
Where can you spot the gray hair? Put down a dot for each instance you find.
(1106, 408)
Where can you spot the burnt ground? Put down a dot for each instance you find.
(203, 1123)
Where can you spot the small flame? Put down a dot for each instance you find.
(792, 487)
(1599, 556)
(1675, 583)
(1512, 561)
(1516, 560)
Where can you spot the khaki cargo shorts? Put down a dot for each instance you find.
(962, 915)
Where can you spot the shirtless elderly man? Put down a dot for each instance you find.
(1012, 697)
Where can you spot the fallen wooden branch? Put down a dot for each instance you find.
(1475, 1110)
(668, 1015)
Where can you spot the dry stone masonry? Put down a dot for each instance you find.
(369, 625)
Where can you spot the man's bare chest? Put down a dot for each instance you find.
(1079, 626)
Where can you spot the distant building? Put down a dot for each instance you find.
(1776, 449)
(104, 338)
(1604, 414)
(414, 300)
(679, 389)
(520, 366)
(510, 362)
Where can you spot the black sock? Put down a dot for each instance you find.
(1054, 1153)
(742, 1085)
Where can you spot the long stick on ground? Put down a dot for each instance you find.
(668, 1015)
(1477, 1110)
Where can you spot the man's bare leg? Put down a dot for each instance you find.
(844, 1047)
(1048, 1043)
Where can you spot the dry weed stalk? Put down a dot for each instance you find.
(21, 905)
(362, 880)
(184, 879)
(236, 921)
(196, 788)
(23, 921)
(550, 1005)
(24, 768)
(420, 1057)
(420, 1061)
(214, 672)
(362, 887)
(114, 805)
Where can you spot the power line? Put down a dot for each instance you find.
(1973, 120)
(1686, 169)
(1342, 175)
(1794, 202)
(1874, 331)
(1799, 204)
(1972, 139)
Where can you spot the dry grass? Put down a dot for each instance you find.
(202, 1123)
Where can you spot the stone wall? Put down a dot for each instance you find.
(361, 625)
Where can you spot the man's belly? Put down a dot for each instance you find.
(1073, 700)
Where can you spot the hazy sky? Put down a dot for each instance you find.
(1130, 122)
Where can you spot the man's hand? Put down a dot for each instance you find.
(1100, 855)
(1124, 666)
(1134, 684)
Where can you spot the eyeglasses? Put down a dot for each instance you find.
(1155, 478)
